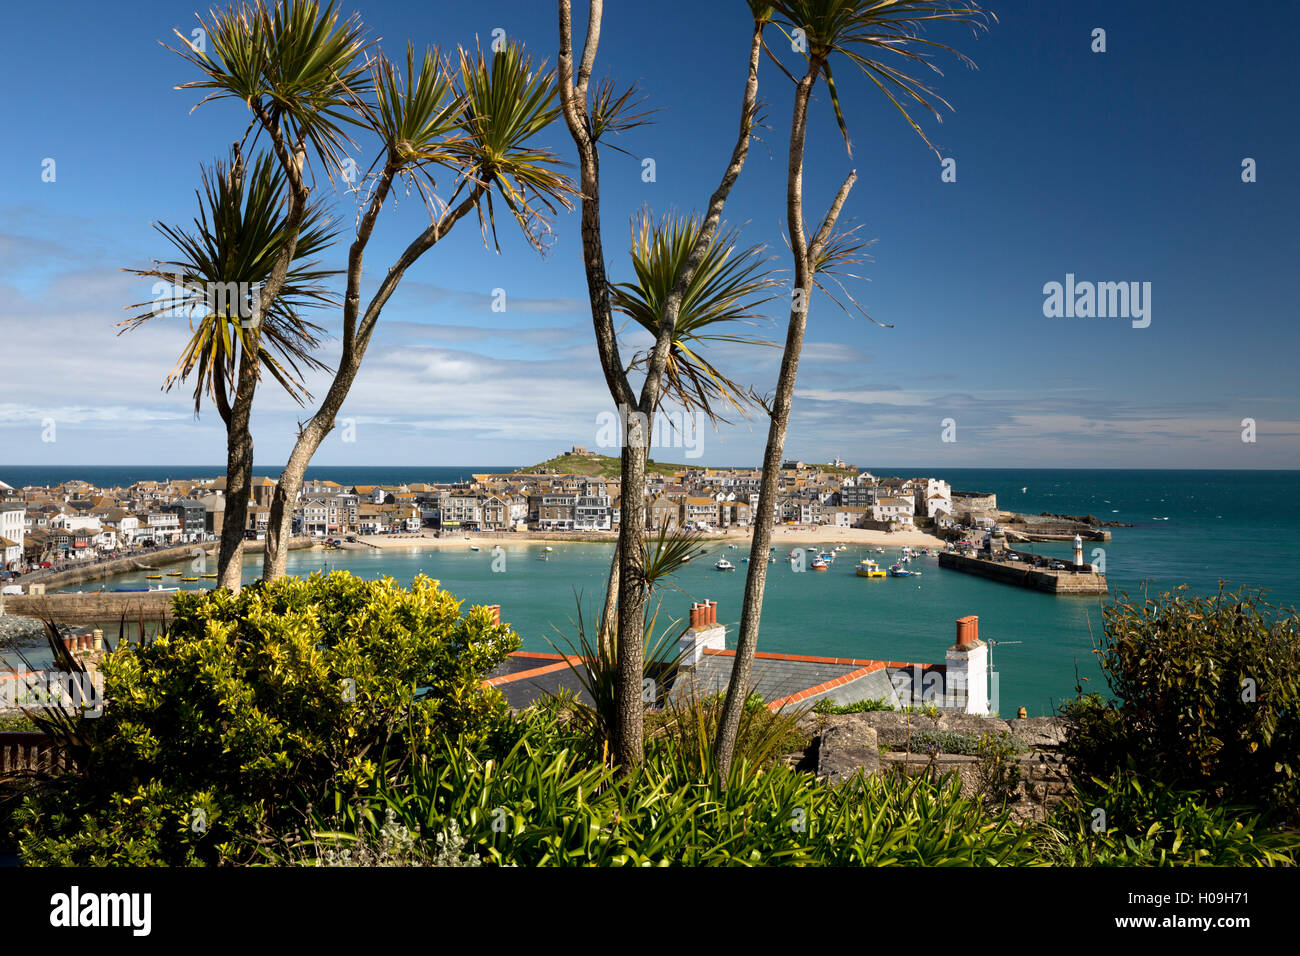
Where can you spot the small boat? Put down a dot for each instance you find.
(898, 571)
(732, 547)
(794, 553)
(174, 574)
(154, 577)
(189, 579)
(207, 575)
(548, 548)
(725, 565)
(161, 588)
(827, 556)
(473, 547)
(819, 565)
(880, 550)
(869, 569)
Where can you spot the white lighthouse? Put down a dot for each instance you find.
(1078, 551)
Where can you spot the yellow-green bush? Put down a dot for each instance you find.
(252, 706)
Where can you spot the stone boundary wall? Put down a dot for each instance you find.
(95, 607)
(884, 741)
(93, 571)
(26, 751)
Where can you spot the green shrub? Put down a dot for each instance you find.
(1126, 821)
(827, 706)
(1208, 698)
(252, 707)
(541, 804)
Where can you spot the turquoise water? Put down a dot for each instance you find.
(1237, 526)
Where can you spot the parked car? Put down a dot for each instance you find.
(1057, 566)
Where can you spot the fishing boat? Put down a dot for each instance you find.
(725, 565)
(827, 556)
(898, 571)
(819, 565)
(869, 569)
(161, 588)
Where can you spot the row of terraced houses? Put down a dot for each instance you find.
(77, 519)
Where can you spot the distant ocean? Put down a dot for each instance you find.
(1189, 527)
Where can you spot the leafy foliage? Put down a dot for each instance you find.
(722, 297)
(251, 708)
(539, 803)
(232, 250)
(1124, 821)
(1208, 698)
(862, 30)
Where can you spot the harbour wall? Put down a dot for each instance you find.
(1074, 580)
(93, 571)
(95, 607)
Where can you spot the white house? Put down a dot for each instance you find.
(13, 528)
(894, 510)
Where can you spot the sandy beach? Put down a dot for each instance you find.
(784, 535)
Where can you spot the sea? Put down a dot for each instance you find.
(1203, 529)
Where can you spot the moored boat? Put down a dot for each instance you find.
(869, 569)
(819, 565)
(725, 565)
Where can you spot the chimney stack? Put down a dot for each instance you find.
(704, 632)
(967, 670)
(968, 631)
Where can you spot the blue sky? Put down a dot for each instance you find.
(1116, 166)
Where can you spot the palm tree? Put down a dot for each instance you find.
(482, 128)
(295, 66)
(725, 291)
(228, 256)
(860, 32)
(591, 115)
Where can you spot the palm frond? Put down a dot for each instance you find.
(229, 253)
(863, 30)
(724, 294)
(299, 62)
(505, 105)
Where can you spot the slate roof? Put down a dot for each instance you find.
(781, 679)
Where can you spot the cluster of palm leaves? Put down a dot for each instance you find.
(234, 244)
(312, 82)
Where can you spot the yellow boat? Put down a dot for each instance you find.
(869, 569)
(154, 577)
(189, 579)
(207, 575)
(174, 574)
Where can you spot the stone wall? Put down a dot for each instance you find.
(888, 741)
(66, 607)
(23, 752)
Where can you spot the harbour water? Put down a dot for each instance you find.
(1190, 527)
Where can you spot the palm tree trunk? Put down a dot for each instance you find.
(239, 476)
(608, 622)
(756, 579)
(629, 722)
